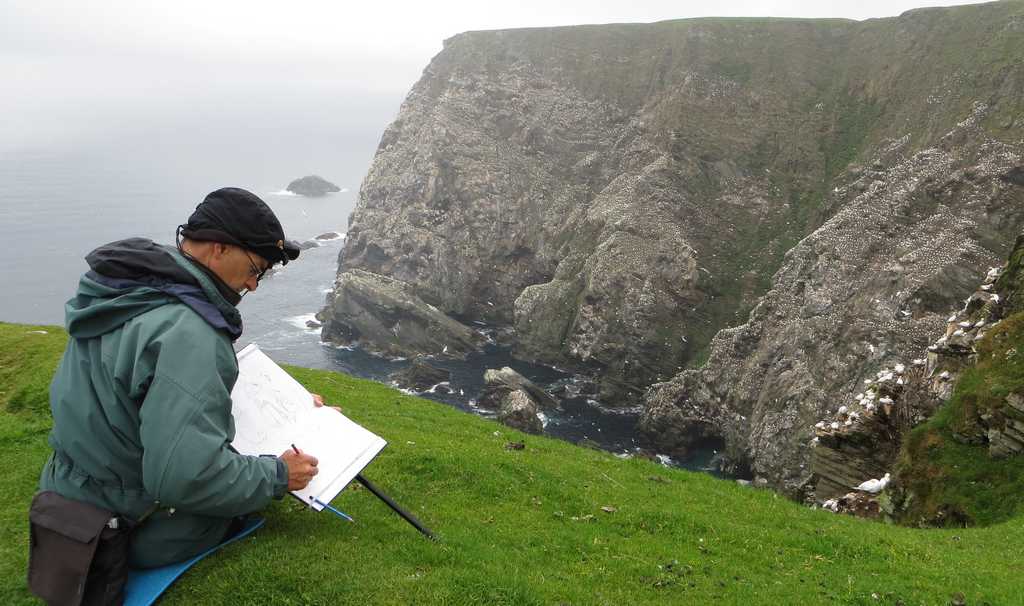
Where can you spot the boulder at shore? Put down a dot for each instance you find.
(312, 186)
(498, 384)
(420, 376)
(519, 411)
(384, 314)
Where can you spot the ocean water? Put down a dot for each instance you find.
(57, 205)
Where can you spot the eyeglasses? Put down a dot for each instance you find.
(254, 270)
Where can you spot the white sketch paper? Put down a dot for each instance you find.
(272, 411)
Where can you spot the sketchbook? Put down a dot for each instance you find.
(272, 411)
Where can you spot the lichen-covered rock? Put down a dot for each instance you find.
(385, 314)
(519, 410)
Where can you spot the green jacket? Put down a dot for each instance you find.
(142, 408)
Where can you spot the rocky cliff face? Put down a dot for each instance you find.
(873, 286)
(948, 427)
(621, 194)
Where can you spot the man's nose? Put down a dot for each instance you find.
(252, 283)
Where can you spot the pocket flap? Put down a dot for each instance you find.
(76, 520)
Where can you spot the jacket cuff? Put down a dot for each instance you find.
(281, 481)
(281, 477)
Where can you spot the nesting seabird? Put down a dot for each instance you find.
(874, 486)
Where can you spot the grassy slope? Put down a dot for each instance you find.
(523, 527)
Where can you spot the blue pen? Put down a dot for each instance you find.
(321, 503)
(331, 509)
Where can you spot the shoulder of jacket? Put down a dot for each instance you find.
(179, 326)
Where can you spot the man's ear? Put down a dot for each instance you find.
(220, 249)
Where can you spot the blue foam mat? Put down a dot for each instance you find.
(146, 585)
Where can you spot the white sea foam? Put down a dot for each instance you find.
(434, 388)
(283, 192)
(344, 190)
(300, 321)
(665, 460)
(336, 346)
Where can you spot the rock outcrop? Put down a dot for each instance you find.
(519, 410)
(421, 376)
(518, 400)
(1004, 430)
(385, 314)
(966, 371)
(499, 383)
(622, 194)
(312, 186)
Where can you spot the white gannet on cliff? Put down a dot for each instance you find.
(874, 486)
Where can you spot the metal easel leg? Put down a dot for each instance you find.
(405, 514)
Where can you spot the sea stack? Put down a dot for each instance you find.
(312, 186)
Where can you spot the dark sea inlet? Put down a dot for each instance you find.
(60, 202)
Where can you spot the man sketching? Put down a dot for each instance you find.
(141, 400)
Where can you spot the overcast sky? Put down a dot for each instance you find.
(68, 65)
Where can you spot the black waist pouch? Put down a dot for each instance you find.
(75, 558)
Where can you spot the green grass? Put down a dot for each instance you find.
(523, 527)
(943, 465)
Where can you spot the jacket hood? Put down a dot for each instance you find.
(130, 277)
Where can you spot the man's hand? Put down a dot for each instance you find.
(318, 401)
(301, 468)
